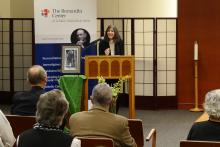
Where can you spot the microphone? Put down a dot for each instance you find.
(92, 44)
(95, 41)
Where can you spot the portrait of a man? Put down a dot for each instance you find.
(70, 58)
(80, 37)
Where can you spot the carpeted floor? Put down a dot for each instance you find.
(171, 125)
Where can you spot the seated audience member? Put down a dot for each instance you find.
(98, 121)
(24, 103)
(51, 109)
(208, 130)
(7, 138)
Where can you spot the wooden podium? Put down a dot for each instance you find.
(111, 67)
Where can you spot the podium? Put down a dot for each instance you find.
(111, 67)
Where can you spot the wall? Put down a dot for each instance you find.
(22, 8)
(105, 8)
(5, 9)
(137, 8)
(16, 9)
(197, 20)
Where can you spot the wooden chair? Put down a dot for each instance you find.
(152, 137)
(20, 123)
(136, 130)
(190, 143)
(96, 142)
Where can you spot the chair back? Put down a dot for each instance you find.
(190, 143)
(96, 142)
(136, 130)
(152, 137)
(20, 123)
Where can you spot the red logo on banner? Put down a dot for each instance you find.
(45, 12)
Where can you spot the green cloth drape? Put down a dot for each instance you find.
(72, 86)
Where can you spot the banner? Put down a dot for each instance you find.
(58, 23)
(55, 20)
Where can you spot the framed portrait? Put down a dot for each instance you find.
(71, 55)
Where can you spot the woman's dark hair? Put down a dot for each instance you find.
(116, 37)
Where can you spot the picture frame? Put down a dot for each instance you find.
(71, 55)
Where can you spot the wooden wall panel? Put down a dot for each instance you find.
(198, 20)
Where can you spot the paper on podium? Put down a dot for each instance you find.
(89, 104)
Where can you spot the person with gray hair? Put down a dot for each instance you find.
(98, 121)
(51, 109)
(24, 103)
(208, 130)
(102, 95)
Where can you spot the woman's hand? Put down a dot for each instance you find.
(107, 51)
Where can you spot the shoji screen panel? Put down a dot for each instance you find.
(4, 55)
(22, 32)
(144, 56)
(127, 36)
(98, 28)
(166, 57)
